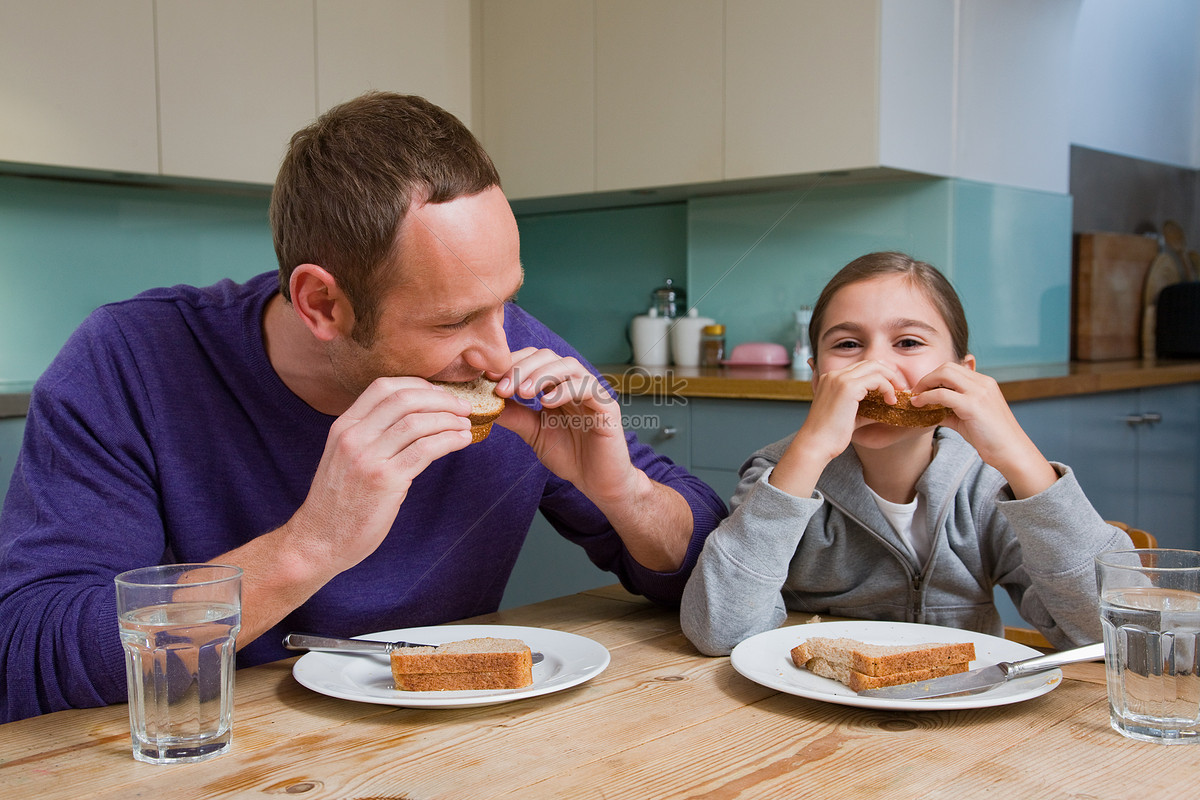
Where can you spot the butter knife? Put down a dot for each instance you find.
(332, 644)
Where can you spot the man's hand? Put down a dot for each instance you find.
(578, 432)
(578, 435)
(374, 451)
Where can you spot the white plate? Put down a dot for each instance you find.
(766, 659)
(569, 660)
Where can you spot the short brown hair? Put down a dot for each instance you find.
(924, 276)
(348, 180)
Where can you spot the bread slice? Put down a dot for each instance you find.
(484, 663)
(869, 666)
(903, 413)
(486, 405)
(883, 659)
(859, 681)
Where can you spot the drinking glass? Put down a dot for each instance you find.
(1150, 612)
(179, 625)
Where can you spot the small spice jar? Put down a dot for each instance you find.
(712, 345)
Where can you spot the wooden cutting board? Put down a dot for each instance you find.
(1106, 293)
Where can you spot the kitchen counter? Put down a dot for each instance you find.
(1032, 382)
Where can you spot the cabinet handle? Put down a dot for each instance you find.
(1149, 418)
(669, 432)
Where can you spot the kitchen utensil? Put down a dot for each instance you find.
(758, 354)
(669, 300)
(1162, 273)
(1109, 273)
(1176, 242)
(332, 644)
(984, 678)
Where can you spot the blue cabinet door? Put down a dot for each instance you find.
(1136, 454)
(1168, 465)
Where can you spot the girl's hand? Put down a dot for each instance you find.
(831, 422)
(983, 417)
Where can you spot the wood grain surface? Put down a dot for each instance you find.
(661, 722)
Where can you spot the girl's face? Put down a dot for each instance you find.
(884, 319)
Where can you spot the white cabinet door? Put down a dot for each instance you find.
(659, 92)
(539, 95)
(236, 80)
(801, 86)
(418, 47)
(77, 84)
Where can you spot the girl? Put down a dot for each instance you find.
(857, 518)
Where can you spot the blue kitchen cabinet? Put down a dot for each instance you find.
(1136, 453)
(727, 432)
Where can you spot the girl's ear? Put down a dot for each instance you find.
(969, 362)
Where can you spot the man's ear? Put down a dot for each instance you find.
(320, 303)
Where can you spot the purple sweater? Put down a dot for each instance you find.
(161, 433)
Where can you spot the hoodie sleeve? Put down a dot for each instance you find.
(735, 591)
(1060, 534)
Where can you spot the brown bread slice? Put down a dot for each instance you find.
(904, 413)
(882, 659)
(486, 405)
(858, 682)
(482, 663)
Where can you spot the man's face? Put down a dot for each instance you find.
(443, 317)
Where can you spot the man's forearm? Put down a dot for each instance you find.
(654, 521)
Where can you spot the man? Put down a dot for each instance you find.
(288, 425)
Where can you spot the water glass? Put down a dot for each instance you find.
(179, 625)
(1150, 612)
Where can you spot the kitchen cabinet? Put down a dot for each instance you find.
(801, 87)
(727, 432)
(587, 96)
(607, 95)
(211, 90)
(539, 116)
(582, 96)
(1135, 453)
(77, 84)
(659, 92)
(235, 82)
(418, 47)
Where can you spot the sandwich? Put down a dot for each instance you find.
(903, 413)
(486, 405)
(485, 663)
(872, 666)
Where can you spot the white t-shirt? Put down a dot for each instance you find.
(908, 519)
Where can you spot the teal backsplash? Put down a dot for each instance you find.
(753, 259)
(748, 260)
(587, 273)
(67, 247)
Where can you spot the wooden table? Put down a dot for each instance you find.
(660, 722)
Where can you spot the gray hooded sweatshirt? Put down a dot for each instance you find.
(835, 553)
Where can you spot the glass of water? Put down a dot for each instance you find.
(179, 625)
(1150, 612)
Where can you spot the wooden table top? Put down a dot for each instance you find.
(661, 722)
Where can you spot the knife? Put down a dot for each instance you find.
(984, 678)
(332, 644)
